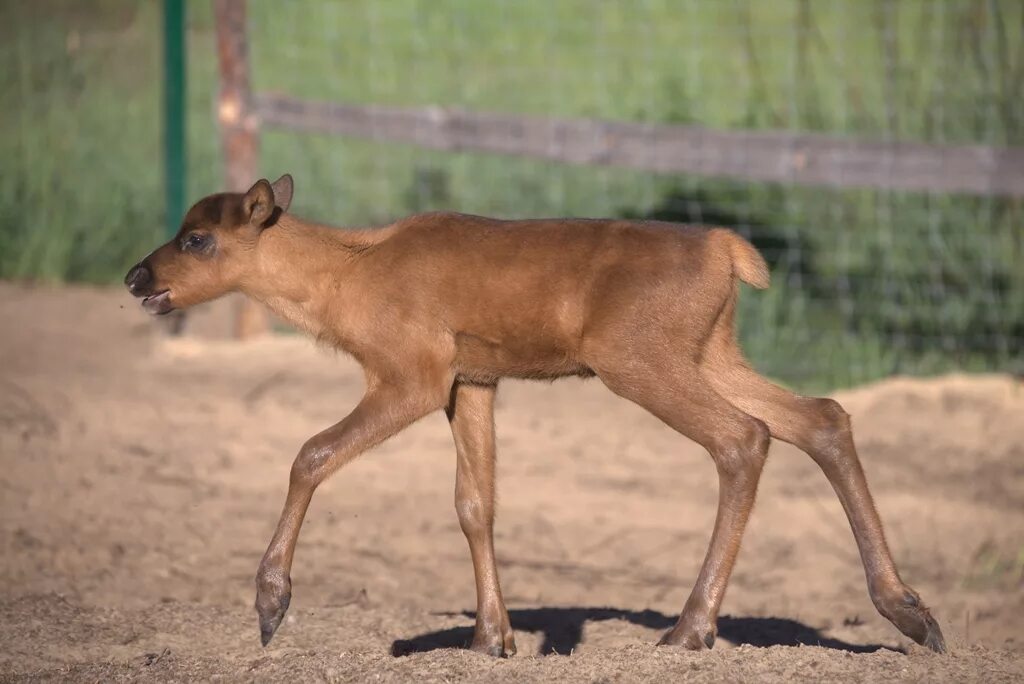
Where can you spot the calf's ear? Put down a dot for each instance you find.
(283, 188)
(258, 203)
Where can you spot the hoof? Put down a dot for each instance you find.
(496, 647)
(272, 600)
(933, 638)
(689, 637)
(913, 618)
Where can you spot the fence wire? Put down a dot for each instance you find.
(867, 282)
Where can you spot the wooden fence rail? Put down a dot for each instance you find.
(764, 156)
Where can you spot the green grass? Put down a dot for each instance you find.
(993, 567)
(867, 283)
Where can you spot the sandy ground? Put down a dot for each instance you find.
(141, 479)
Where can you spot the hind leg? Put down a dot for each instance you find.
(737, 442)
(821, 428)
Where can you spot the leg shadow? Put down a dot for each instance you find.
(563, 630)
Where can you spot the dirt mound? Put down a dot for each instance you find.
(142, 479)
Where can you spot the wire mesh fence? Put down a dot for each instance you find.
(868, 281)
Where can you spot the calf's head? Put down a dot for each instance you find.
(215, 246)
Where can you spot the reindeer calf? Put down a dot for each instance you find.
(438, 307)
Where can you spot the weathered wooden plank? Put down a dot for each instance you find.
(239, 127)
(770, 156)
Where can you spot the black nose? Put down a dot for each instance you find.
(138, 278)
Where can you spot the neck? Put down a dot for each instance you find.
(302, 266)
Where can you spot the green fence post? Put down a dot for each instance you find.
(174, 113)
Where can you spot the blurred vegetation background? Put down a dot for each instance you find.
(866, 283)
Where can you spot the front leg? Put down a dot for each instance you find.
(471, 413)
(383, 411)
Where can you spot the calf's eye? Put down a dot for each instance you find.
(196, 242)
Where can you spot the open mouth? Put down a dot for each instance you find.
(159, 303)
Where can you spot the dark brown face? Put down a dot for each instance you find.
(216, 244)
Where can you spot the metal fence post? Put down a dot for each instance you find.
(174, 113)
(175, 145)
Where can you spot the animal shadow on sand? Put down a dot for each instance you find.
(563, 630)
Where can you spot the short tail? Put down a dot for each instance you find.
(747, 263)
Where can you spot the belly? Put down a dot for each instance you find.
(542, 357)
